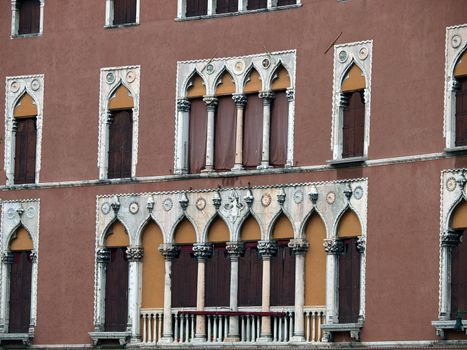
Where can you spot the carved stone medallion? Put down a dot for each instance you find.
(210, 69)
(298, 197)
(343, 56)
(14, 87)
(35, 85)
(10, 213)
(363, 53)
(134, 207)
(167, 204)
(130, 76)
(266, 200)
(31, 212)
(451, 184)
(233, 208)
(456, 41)
(239, 67)
(266, 63)
(105, 208)
(200, 203)
(331, 197)
(358, 192)
(110, 77)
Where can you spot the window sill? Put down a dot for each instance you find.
(441, 326)
(353, 328)
(347, 161)
(456, 149)
(230, 14)
(24, 338)
(124, 25)
(122, 337)
(23, 36)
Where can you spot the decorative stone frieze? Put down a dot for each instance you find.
(203, 250)
(299, 246)
(169, 251)
(235, 249)
(333, 246)
(103, 255)
(267, 248)
(135, 254)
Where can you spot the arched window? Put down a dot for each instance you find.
(253, 121)
(29, 16)
(196, 8)
(460, 74)
(25, 114)
(120, 134)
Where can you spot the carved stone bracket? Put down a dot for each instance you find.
(451, 238)
(135, 254)
(348, 192)
(361, 244)
(115, 205)
(8, 258)
(333, 246)
(235, 249)
(267, 248)
(202, 251)
(183, 202)
(169, 251)
(217, 200)
(281, 197)
(103, 255)
(249, 198)
(299, 246)
(183, 105)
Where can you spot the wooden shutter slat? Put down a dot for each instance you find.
(184, 278)
(25, 151)
(218, 278)
(257, 4)
(286, 2)
(196, 8)
(226, 6)
(283, 276)
(29, 16)
(250, 277)
(461, 113)
(349, 282)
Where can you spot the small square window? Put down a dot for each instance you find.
(27, 17)
(122, 12)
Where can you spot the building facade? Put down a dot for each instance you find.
(233, 173)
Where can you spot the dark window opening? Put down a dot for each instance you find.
(25, 151)
(196, 8)
(29, 13)
(184, 278)
(20, 292)
(349, 282)
(283, 275)
(459, 279)
(354, 125)
(257, 4)
(197, 137)
(250, 276)
(218, 277)
(124, 12)
(286, 2)
(120, 144)
(226, 6)
(461, 113)
(224, 135)
(253, 132)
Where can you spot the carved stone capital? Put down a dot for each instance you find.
(455, 85)
(361, 244)
(451, 238)
(239, 100)
(8, 258)
(33, 256)
(290, 95)
(109, 118)
(202, 251)
(299, 246)
(211, 102)
(343, 100)
(267, 97)
(135, 254)
(267, 248)
(169, 251)
(103, 255)
(183, 105)
(234, 249)
(14, 125)
(333, 246)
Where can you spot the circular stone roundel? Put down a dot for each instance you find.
(130, 76)
(134, 207)
(35, 84)
(14, 87)
(266, 200)
(110, 78)
(10, 213)
(167, 204)
(105, 208)
(451, 184)
(298, 197)
(343, 56)
(239, 67)
(358, 192)
(31, 212)
(331, 197)
(363, 53)
(456, 41)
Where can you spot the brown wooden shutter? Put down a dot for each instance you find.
(184, 278)
(224, 145)
(124, 11)
(20, 292)
(354, 126)
(250, 276)
(29, 16)
(349, 282)
(198, 133)
(286, 2)
(253, 131)
(120, 144)
(218, 277)
(25, 151)
(283, 276)
(257, 4)
(279, 127)
(461, 113)
(116, 291)
(226, 6)
(459, 279)
(196, 8)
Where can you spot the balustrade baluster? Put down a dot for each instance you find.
(193, 321)
(320, 318)
(252, 329)
(242, 328)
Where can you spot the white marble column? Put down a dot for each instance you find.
(299, 246)
(33, 308)
(290, 126)
(202, 252)
(266, 249)
(7, 261)
(170, 252)
(361, 247)
(267, 97)
(134, 256)
(211, 103)
(234, 249)
(102, 258)
(332, 247)
(181, 157)
(240, 103)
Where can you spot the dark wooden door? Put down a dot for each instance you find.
(250, 277)
(20, 292)
(120, 144)
(354, 126)
(257, 4)
(283, 276)
(218, 277)
(124, 11)
(226, 6)
(459, 278)
(184, 278)
(349, 282)
(279, 127)
(29, 16)
(196, 8)
(461, 113)
(116, 291)
(224, 143)
(25, 151)
(253, 132)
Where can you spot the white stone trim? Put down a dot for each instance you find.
(456, 44)
(15, 87)
(15, 20)
(344, 56)
(109, 14)
(124, 76)
(10, 221)
(186, 69)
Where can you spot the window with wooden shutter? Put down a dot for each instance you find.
(226, 6)
(459, 279)
(353, 129)
(349, 282)
(198, 134)
(279, 129)
(184, 278)
(25, 150)
(20, 292)
(29, 16)
(283, 275)
(253, 131)
(461, 112)
(124, 11)
(218, 277)
(250, 276)
(196, 8)
(286, 2)
(257, 4)
(116, 291)
(224, 144)
(120, 144)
